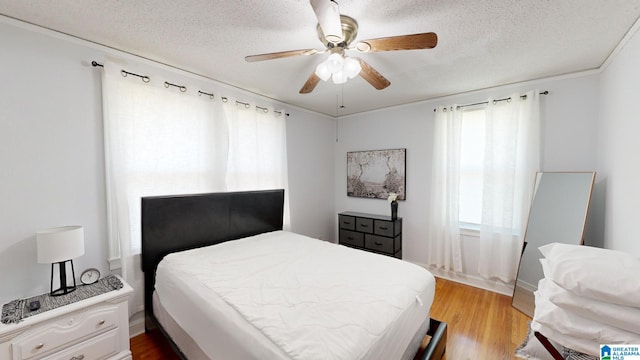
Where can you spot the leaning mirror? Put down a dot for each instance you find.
(558, 214)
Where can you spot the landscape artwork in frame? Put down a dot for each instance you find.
(376, 173)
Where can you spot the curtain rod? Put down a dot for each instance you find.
(183, 89)
(523, 97)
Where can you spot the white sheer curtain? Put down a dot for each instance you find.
(512, 158)
(258, 150)
(158, 141)
(444, 227)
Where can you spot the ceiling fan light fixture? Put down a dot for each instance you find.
(351, 67)
(335, 62)
(322, 70)
(339, 77)
(328, 13)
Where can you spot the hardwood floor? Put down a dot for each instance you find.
(480, 325)
(151, 346)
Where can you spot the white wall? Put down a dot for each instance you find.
(310, 140)
(51, 152)
(52, 157)
(569, 117)
(619, 145)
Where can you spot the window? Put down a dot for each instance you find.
(472, 166)
(484, 162)
(160, 142)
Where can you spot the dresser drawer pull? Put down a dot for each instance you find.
(384, 228)
(377, 243)
(101, 322)
(79, 357)
(364, 225)
(350, 238)
(346, 222)
(39, 346)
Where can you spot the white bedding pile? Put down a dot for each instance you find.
(589, 296)
(281, 295)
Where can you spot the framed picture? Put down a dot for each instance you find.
(376, 173)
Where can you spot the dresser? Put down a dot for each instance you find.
(96, 328)
(370, 232)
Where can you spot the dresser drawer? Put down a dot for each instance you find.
(384, 228)
(352, 238)
(99, 347)
(64, 331)
(347, 222)
(364, 225)
(379, 243)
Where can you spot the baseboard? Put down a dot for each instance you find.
(475, 281)
(136, 324)
(527, 286)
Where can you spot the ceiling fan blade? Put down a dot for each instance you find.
(278, 55)
(403, 42)
(328, 14)
(311, 83)
(372, 76)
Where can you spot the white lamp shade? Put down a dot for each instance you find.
(60, 244)
(322, 70)
(339, 77)
(352, 67)
(335, 62)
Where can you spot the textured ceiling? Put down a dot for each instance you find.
(482, 43)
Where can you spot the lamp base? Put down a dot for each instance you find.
(64, 289)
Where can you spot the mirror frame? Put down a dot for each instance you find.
(523, 299)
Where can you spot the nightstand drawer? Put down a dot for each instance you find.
(98, 347)
(347, 222)
(379, 243)
(364, 225)
(65, 331)
(352, 238)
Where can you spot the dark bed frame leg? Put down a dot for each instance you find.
(438, 344)
(547, 345)
(149, 324)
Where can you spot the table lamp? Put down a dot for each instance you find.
(58, 246)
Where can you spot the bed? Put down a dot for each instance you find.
(224, 281)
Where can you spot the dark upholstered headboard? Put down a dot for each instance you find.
(181, 222)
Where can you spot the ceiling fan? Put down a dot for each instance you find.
(337, 32)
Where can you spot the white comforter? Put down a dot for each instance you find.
(309, 298)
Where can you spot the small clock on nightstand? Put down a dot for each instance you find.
(90, 276)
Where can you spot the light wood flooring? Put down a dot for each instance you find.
(480, 325)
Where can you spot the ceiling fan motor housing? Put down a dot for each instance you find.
(349, 33)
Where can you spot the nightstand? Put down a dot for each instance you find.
(90, 329)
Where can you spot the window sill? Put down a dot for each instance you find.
(114, 264)
(473, 230)
(469, 229)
